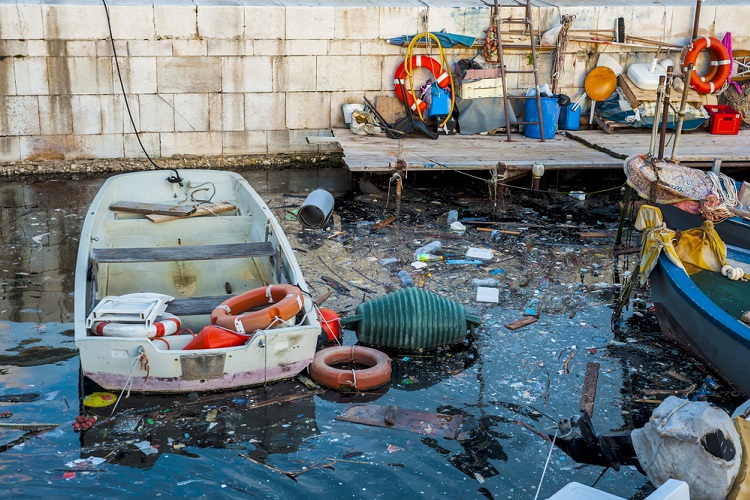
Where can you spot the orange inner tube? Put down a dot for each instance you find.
(377, 373)
(282, 302)
(720, 64)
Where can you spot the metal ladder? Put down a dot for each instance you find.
(528, 23)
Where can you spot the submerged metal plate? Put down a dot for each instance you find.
(421, 422)
(202, 366)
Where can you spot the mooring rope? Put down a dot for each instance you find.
(552, 446)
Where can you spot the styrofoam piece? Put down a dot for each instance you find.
(479, 253)
(488, 294)
(671, 490)
(418, 264)
(578, 491)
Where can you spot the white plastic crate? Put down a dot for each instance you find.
(486, 87)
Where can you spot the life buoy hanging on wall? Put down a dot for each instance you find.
(720, 64)
(283, 303)
(399, 79)
(168, 325)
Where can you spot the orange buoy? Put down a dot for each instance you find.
(323, 369)
(282, 302)
(330, 323)
(216, 337)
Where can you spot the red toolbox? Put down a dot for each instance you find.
(723, 119)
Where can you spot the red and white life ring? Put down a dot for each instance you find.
(721, 64)
(399, 79)
(279, 302)
(167, 325)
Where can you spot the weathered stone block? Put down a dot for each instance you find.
(247, 74)
(295, 74)
(10, 149)
(232, 112)
(149, 48)
(307, 47)
(356, 23)
(270, 47)
(7, 77)
(265, 21)
(222, 47)
(132, 21)
(309, 23)
(79, 75)
(104, 48)
(175, 21)
(380, 47)
(221, 21)
(448, 17)
(181, 48)
(74, 21)
(191, 143)
(398, 21)
(156, 113)
(31, 75)
(138, 75)
(55, 115)
(87, 114)
(188, 74)
(151, 143)
(344, 47)
(308, 110)
(23, 22)
(244, 143)
(95, 146)
(80, 48)
(339, 73)
(114, 114)
(191, 112)
(265, 111)
(19, 115)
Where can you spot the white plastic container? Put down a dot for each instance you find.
(348, 109)
(645, 76)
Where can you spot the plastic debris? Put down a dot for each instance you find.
(405, 278)
(464, 262)
(452, 216)
(99, 399)
(389, 261)
(487, 294)
(484, 282)
(430, 248)
(479, 253)
(457, 227)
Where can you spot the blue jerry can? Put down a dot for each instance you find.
(441, 101)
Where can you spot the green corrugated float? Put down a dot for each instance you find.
(411, 319)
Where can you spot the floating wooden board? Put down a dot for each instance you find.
(637, 95)
(418, 421)
(519, 323)
(151, 208)
(214, 208)
(589, 388)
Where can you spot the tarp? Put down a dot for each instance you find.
(482, 114)
(446, 39)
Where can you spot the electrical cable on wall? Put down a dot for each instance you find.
(174, 178)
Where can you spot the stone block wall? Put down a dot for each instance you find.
(239, 77)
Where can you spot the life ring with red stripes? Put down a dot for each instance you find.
(399, 79)
(282, 302)
(167, 325)
(720, 64)
(325, 372)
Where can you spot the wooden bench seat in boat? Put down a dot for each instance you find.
(198, 252)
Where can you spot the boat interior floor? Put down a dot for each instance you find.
(723, 292)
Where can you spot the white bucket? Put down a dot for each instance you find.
(348, 109)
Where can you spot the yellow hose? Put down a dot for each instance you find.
(443, 62)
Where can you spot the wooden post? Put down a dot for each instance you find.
(589, 388)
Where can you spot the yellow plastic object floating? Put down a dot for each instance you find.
(99, 399)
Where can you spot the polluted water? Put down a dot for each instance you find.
(551, 260)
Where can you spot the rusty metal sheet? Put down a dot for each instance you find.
(202, 366)
(420, 422)
(589, 388)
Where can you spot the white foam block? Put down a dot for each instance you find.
(487, 294)
(479, 253)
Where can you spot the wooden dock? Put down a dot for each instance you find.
(579, 150)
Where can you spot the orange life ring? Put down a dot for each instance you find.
(377, 373)
(399, 79)
(720, 64)
(167, 325)
(283, 303)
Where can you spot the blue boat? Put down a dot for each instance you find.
(702, 313)
(733, 231)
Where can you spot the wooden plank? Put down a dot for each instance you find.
(589, 388)
(211, 209)
(166, 254)
(195, 305)
(151, 208)
(637, 95)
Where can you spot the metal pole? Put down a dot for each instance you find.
(697, 19)
(498, 23)
(530, 25)
(681, 113)
(665, 113)
(654, 127)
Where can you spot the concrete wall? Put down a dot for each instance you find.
(239, 77)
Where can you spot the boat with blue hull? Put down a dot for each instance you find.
(702, 313)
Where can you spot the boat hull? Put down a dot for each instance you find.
(188, 264)
(734, 231)
(687, 316)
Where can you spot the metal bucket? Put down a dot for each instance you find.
(316, 210)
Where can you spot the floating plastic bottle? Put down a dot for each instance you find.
(388, 261)
(428, 257)
(452, 216)
(484, 282)
(429, 248)
(405, 279)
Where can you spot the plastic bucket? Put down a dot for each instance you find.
(214, 337)
(570, 119)
(550, 115)
(348, 109)
(316, 209)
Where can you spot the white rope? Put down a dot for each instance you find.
(128, 384)
(725, 187)
(552, 446)
(733, 273)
